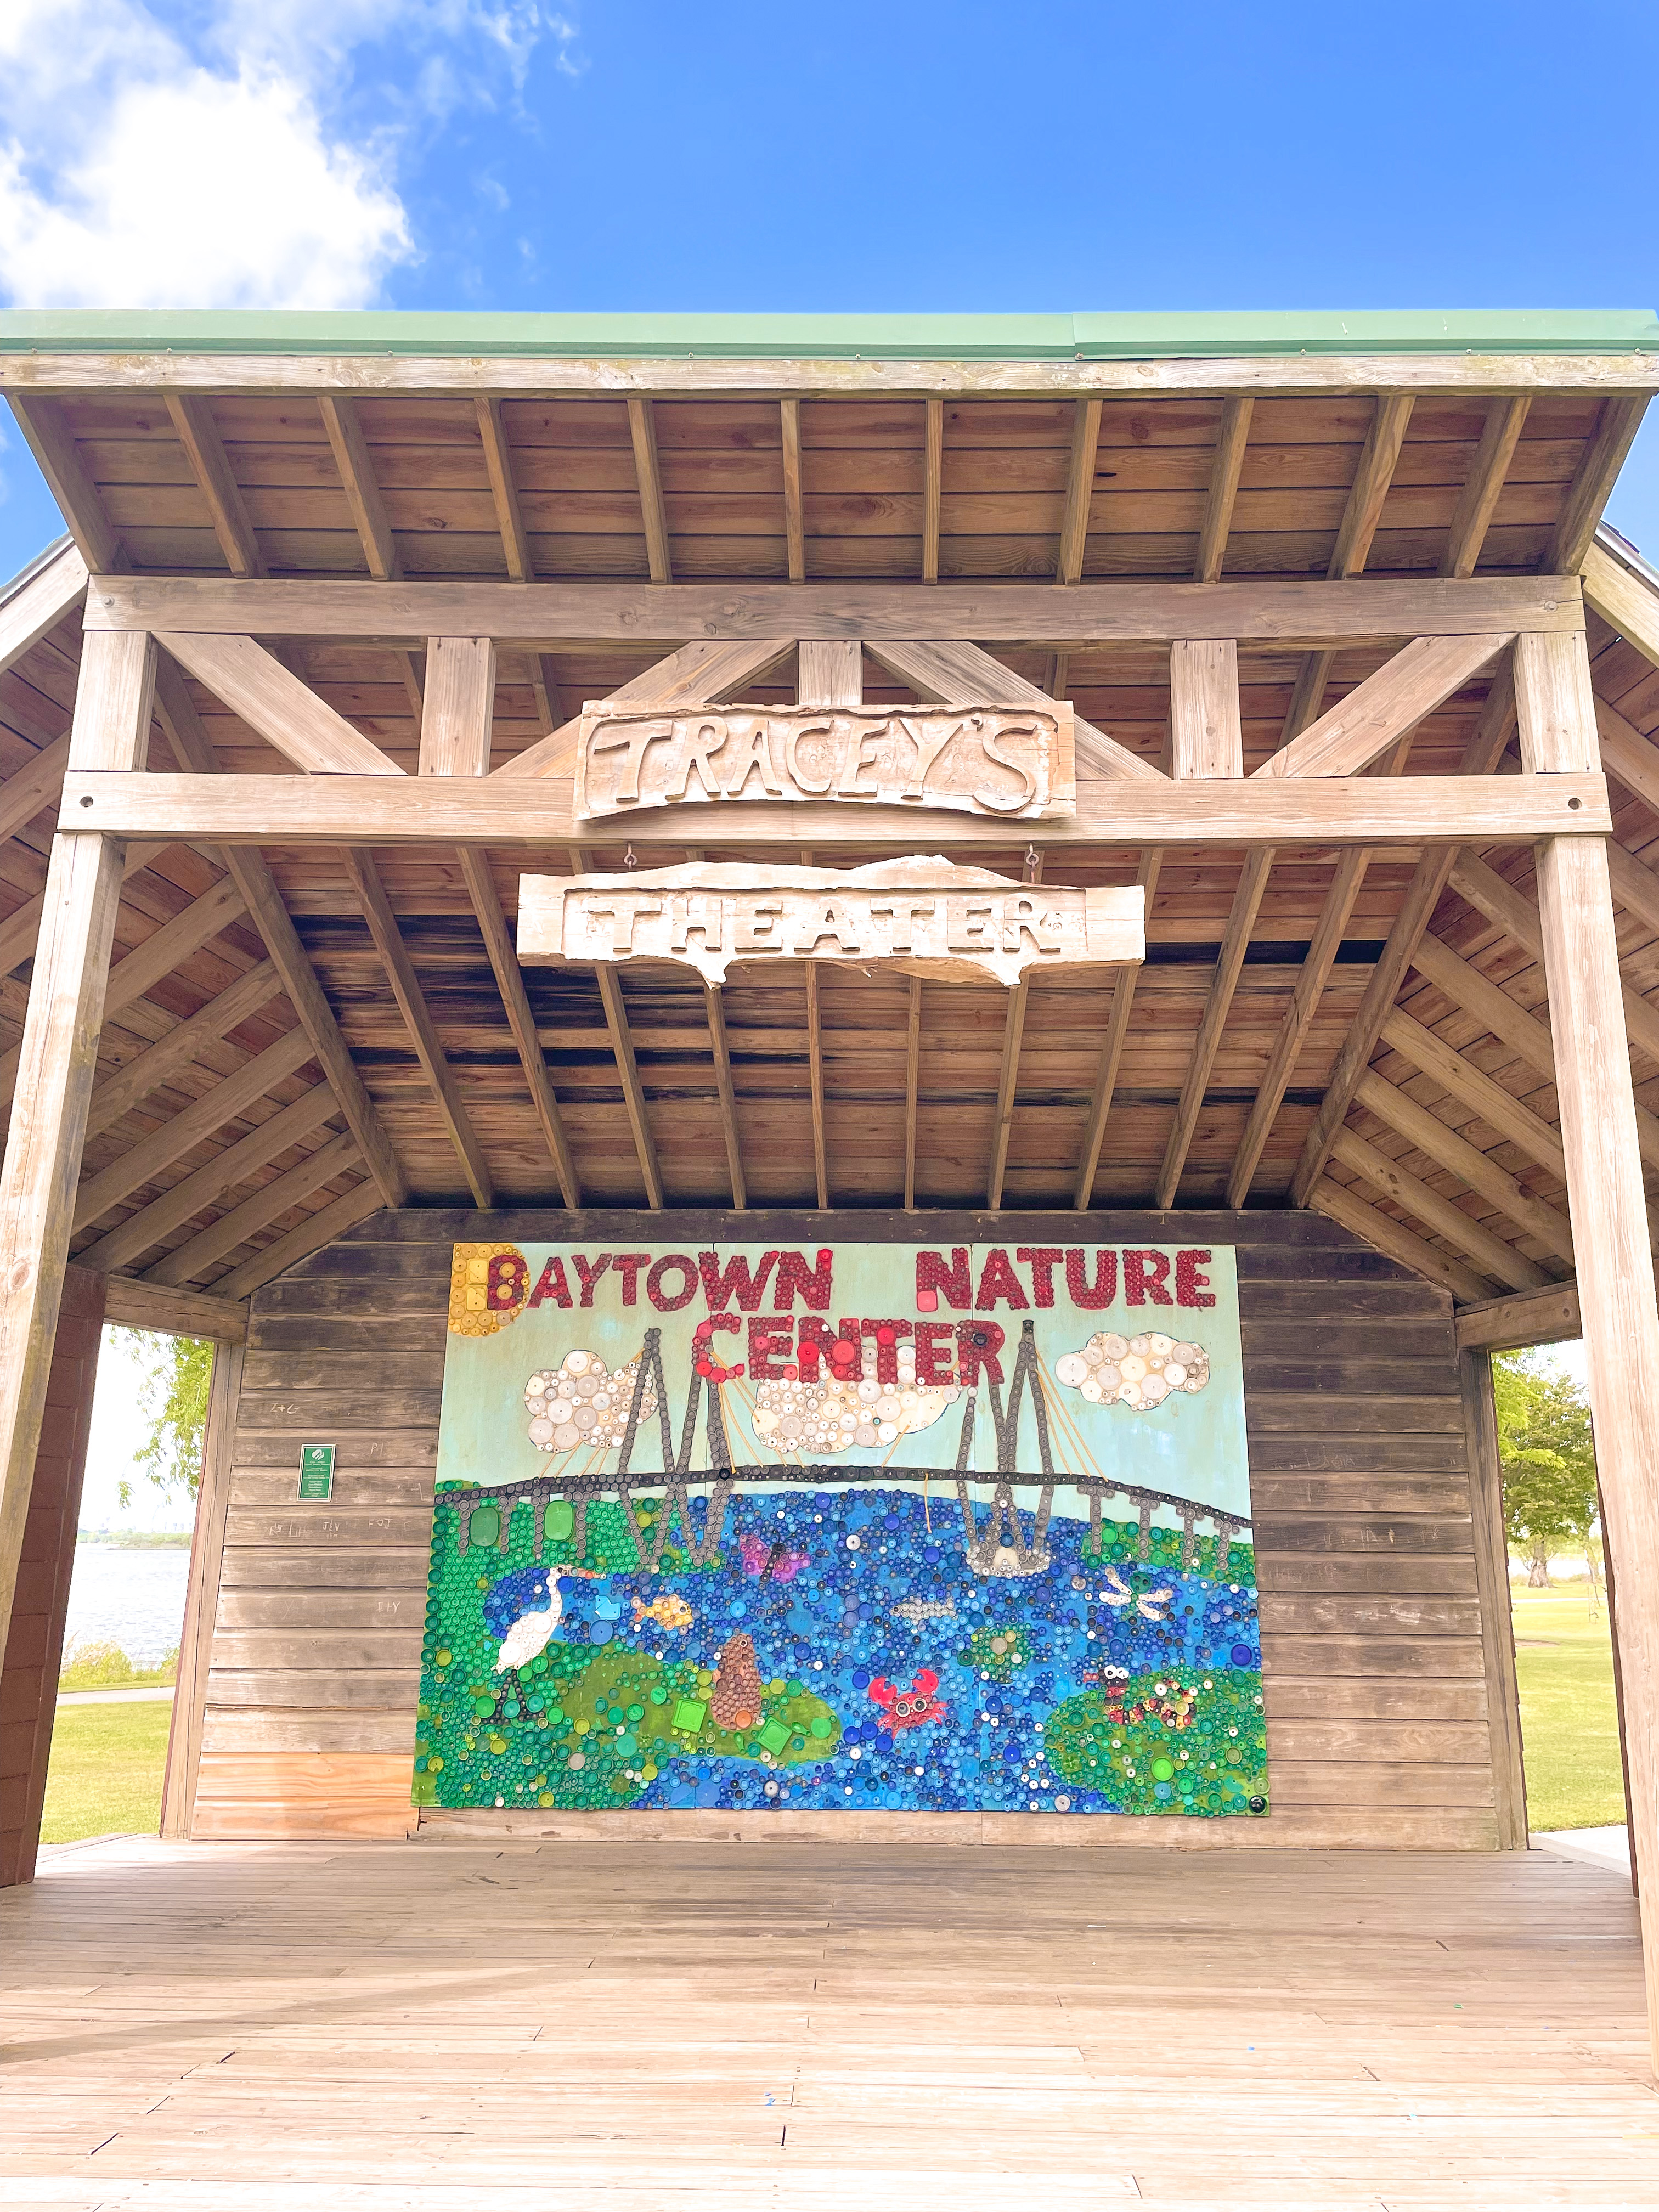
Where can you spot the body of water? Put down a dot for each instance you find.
(133, 1598)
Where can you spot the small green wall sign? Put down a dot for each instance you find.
(317, 1471)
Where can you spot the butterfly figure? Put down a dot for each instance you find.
(774, 1562)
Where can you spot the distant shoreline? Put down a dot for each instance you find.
(136, 1539)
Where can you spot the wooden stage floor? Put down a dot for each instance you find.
(464, 2027)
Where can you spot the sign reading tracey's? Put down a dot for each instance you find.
(1011, 762)
(928, 914)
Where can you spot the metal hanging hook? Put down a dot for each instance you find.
(630, 858)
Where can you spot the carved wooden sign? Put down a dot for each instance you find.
(926, 916)
(1011, 762)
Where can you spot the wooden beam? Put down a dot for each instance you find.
(621, 1044)
(1378, 712)
(913, 1084)
(130, 1304)
(1225, 473)
(235, 1163)
(1447, 1148)
(32, 788)
(287, 713)
(1008, 1089)
(356, 467)
(1489, 465)
(642, 429)
(1446, 1218)
(199, 433)
(1627, 602)
(1392, 1238)
(459, 706)
(509, 981)
(1230, 961)
(1475, 1089)
(1463, 982)
(154, 1154)
(69, 481)
(1317, 963)
(1615, 1256)
(1519, 918)
(1111, 1047)
(1307, 695)
(932, 488)
(1627, 754)
(312, 1234)
(268, 1204)
(1635, 885)
(60, 1060)
(364, 878)
(53, 589)
(1079, 491)
(1206, 736)
(256, 888)
(20, 931)
(1485, 747)
(1438, 811)
(707, 669)
(1616, 434)
(954, 672)
(1524, 1318)
(1466, 369)
(715, 1008)
(815, 1086)
(1291, 612)
(119, 1093)
(830, 673)
(794, 505)
(504, 490)
(1377, 462)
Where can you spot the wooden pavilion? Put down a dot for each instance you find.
(1363, 696)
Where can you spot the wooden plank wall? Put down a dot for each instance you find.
(1377, 1673)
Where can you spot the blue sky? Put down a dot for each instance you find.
(510, 154)
(626, 154)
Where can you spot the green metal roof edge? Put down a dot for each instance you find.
(838, 338)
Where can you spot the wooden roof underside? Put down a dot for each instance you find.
(823, 1085)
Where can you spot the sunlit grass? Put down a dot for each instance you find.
(1568, 1723)
(105, 1777)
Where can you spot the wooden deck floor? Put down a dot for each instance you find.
(450, 2027)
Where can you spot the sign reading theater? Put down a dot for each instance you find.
(950, 922)
(1011, 762)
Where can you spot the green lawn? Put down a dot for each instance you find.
(1569, 1726)
(105, 1779)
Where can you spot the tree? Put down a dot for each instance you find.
(1548, 1458)
(172, 1395)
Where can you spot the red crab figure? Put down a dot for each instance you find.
(908, 1709)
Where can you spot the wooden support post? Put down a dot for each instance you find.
(1079, 491)
(1609, 1217)
(1224, 472)
(794, 510)
(1111, 1048)
(34, 1641)
(728, 1097)
(932, 488)
(912, 1090)
(207, 1546)
(57, 1064)
(1492, 1579)
(498, 459)
(1206, 735)
(458, 706)
(642, 429)
(1008, 1089)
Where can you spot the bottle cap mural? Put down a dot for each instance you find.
(871, 1526)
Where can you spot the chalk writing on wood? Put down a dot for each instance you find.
(1013, 761)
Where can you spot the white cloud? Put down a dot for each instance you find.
(246, 166)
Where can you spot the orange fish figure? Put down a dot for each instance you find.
(669, 1612)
